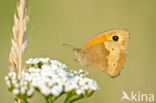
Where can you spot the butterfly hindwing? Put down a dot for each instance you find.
(116, 58)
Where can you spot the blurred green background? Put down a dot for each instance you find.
(54, 22)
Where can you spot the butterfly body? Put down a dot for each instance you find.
(106, 51)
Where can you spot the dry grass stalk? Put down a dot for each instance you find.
(19, 42)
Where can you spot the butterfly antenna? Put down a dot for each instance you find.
(69, 45)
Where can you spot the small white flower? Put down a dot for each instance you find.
(14, 81)
(80, 71)
(45, 60)
(79, 91)
(30, 91)
(15, 91)
(45, 91)
(8, 84)
(29, 61)
(12, 74)
(6, 78)
(23, 90)
(56, 90)
(16, 85)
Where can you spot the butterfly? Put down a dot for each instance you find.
(106, 51)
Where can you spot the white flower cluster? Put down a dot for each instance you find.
(37, 60)
(20, 86)
(50, 79)
(79, 83)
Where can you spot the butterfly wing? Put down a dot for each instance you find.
(104, 53)
(95, 56)
(107, 36)
(116, 58)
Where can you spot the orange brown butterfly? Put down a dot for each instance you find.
(106, 51)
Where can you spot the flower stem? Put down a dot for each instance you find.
(50, 99)
(55, 98)
(72, 96)
(69, 95)
(24, 101)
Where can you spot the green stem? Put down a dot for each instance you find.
(75, 98)
(69, 95)
(46, 99)
(72, 96)
(55, 98)
(24, 101)
(49, 99)
(67, 99)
